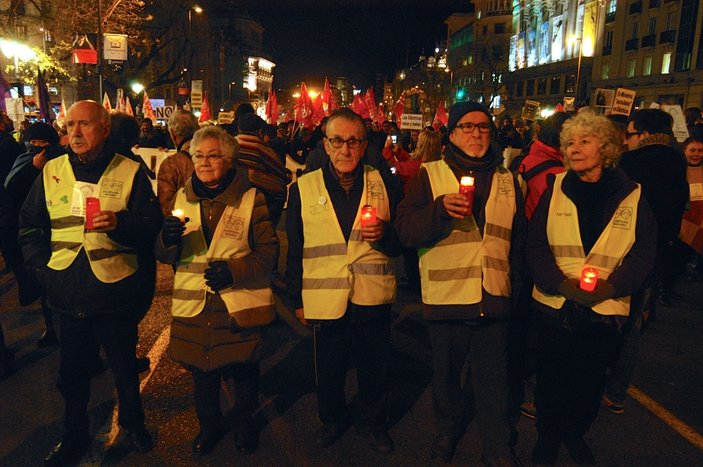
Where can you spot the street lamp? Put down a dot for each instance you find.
(572, 42)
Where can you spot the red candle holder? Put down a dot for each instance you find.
(466, 188)
(368, 215)
(589, 279)
(92, 207)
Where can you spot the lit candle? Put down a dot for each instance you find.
(368, 215)
(589, 279)
(179, 214)
(92, 207)
(466, 188)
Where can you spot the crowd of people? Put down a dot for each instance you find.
(548, 270)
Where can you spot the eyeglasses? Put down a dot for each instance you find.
(630, 134)
(199, 158)
(469, 128)
(352, 143)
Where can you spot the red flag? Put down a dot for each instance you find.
(380, 115)
(272, 108)
(559, 108)
(440, 117)
(205, 114)
(120, 105)
(359, 107)
(106, 103)
(399, 107)
(327, 98)
(128, 107)
(318, 110)
(147, 109)
(370, 101)
(61, 117)
(303, 108)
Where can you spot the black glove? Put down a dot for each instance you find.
(218, 276)
(171, 230)
(603, 291)
(569, 288)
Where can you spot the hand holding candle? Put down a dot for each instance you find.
(589, 279)
(92, 207)
(371, 228)
(179, 214)
(466, 188)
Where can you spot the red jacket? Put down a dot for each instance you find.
(406, 166)
(539, 152)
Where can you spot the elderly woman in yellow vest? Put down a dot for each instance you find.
(591, 218)
(222, 246)
(692, 222)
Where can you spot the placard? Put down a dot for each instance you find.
(411, 122)
(624, 98)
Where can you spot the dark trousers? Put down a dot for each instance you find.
(368, 343)
(206, 391)
(80, 340)
(484, 393)
(571, 375)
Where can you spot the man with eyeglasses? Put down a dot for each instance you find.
(470, 247)
(341, 279)
(661, 172)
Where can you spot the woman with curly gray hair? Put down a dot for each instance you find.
(591, 244)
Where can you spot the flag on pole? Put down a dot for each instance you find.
(359, 107)
(5, 87)
(128, 107)
(45, 111)
(120, 105)
(147, 109)
(440, 117)
(370, 101)
(303, 108)
(205, 114)
(327, 98)
(272, 108)
(106, 103)
(61, 117)
(399, 107)
(380, 115)
(318, 111)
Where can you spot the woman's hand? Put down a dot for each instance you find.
(456, 205)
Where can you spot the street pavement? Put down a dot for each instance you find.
(669, 372)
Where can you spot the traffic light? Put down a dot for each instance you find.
(459, 93)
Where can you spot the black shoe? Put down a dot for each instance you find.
(68, 451)
(246, 437)
(140, 440)
(328, 433)
(207, 440)
(579, 451)
(48, 339)
(546, 450)
(443, 448)
(378, 440)
(143, 364)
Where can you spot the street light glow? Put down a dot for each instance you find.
(137, 88)
(14, 49)
(197, 9)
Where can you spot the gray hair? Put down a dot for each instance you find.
(182, 123)
(611, 145)
(229, 145)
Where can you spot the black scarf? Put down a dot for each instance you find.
(203, 191)
(454, 156)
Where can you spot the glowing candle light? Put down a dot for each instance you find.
(179, 214)
(368, 215)
(589, 279)
(466, 188)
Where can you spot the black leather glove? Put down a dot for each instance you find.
(218, 276)
(569, 288)
(603, 291)
(171, 230)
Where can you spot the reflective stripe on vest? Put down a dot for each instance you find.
(336, 272)
(614, 243)
(109, 261)
(692, 222)
(455, 269)
(230, 240)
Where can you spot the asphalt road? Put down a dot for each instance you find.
(670, 373)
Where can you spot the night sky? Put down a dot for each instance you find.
(314, 39)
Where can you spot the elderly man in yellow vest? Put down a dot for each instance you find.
(92, 266)
(341, 280)
(469, 245)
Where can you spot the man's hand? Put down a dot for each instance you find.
(39, 159)
(218, 276)
(300, 314)
(104, 221)
(372, 232)
(456, 205)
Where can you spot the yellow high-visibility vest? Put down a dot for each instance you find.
(612, 246)
(454, 270)
(109, 261)
(230, 240)
(336, 272)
